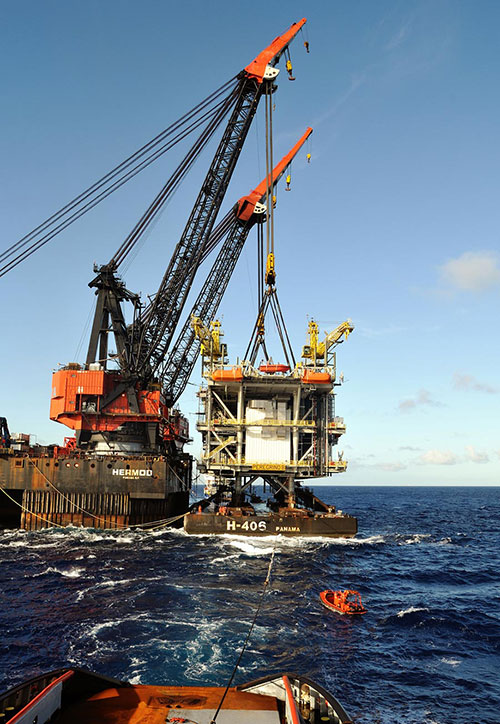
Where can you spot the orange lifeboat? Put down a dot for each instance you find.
(317, 378)
(270, 369)
(235, 374)
(342, 601)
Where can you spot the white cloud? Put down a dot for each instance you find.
(438, 457)
(474, 271)
(391, 467)
(475, 456)
(468, 382)
(422, 398)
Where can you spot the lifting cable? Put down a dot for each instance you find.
(281, 326)
(173, 182)
(214, 239)
(148, 153)
(51, 233)
(260, 262)
(257, 611)
(218, 233)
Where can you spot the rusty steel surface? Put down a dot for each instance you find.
(330, 526)
(41, 492)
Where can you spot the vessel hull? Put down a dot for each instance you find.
(40, 492)
(327, 604)
(325, 526)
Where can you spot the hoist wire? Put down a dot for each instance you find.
(271, 165)
(173, 182)
(76, 207)
(124, 164)
(218, 233)
(281, 327)
(260, 261)
(268, 100)
(290, 348)
(93, 202)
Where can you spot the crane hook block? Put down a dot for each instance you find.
(270, 271)
(288, 180)
(308, 158)
(289, 69)
(306, 46)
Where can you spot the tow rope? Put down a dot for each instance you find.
(257, 611)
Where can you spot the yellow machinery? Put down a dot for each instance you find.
(317, 351)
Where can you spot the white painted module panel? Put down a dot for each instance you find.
(265, 443)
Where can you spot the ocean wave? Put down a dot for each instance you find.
(73, 572)
(450, 661)
(416, 538)
(250, 549)
(411, 609)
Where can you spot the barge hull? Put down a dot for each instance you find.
(324, 526)
(104, 493)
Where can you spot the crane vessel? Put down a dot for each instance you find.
(273, 423)
(126, 464)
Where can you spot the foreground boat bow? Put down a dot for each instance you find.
(75, 696)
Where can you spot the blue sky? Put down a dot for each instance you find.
(393, 224)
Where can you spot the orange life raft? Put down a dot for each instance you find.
(270, 369)
(342, 601)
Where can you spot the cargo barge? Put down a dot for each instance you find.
(287, 522)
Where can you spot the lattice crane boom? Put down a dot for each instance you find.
(246, 213)
(163, 317)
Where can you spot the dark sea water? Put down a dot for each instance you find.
(162, 607)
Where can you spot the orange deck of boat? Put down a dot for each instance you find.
(143, 704)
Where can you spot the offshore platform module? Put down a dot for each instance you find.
(274, 423)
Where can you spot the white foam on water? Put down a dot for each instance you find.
(98, 627)
(451, 661)
(370, 541)
(223, 559)
(250, 549)
(412, 609)
(71, 573)
(417, 538)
